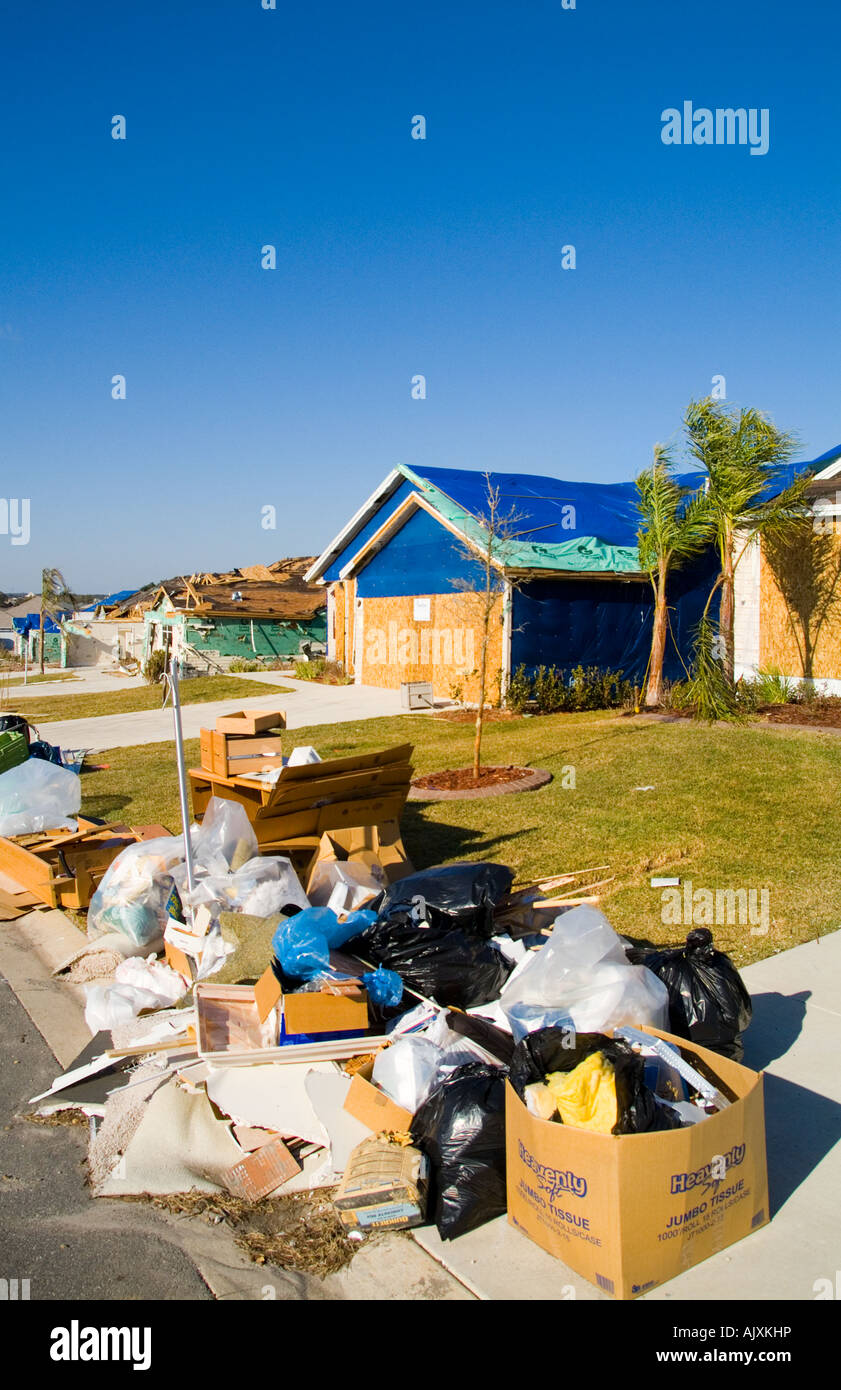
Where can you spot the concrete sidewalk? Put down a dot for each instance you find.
(795, 1037)
(307, 703)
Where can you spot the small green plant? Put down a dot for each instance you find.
(240, 663)
(330, 672)
(773, 688)
(153, 671)
(550, 690)
(457, 691)
(520, 691)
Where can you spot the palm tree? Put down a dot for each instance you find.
(743, 453)
(675, 527)
(55, 599)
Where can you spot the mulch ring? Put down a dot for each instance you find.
(816, 714)
(300, 1232)
(459, 784)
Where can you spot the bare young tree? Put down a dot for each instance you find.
(490, 546)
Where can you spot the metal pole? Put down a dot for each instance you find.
(182, 776)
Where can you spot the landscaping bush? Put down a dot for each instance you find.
(773, 688)
(154, 669)
(553, 691)
(520, 691)
(330, 672)
(239, 663)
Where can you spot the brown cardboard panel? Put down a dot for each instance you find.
(326, 1013)
(630, 1212)
(267, 993)
(373, 1108)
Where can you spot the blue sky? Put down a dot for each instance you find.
(248, 387)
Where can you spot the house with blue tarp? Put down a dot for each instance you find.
(405, 581)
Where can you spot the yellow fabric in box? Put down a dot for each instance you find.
(586, 1096)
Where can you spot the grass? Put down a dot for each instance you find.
(197, 690)
(733, 806)
(36, 680)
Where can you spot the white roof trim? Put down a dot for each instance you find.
(831, 471)
(366, 511)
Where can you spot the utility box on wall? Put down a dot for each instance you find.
(416, 695)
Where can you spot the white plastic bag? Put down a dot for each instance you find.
(138, 984)
(37, 795)
(582, 979)
(225, 836)
(406, 1071)
(133, 893)
(304, 754)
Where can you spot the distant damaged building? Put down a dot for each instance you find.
(259, 613)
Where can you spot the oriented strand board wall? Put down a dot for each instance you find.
(803, 580)
(446, 650)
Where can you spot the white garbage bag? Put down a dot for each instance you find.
(582, 979)
(37, 795)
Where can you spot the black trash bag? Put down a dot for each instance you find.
(451, 967)
(708, 1001)
(451, 895)
(461, 1129)
(548, 1050)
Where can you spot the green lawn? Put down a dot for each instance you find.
(38, 679)
(732, 807)
(197, 690)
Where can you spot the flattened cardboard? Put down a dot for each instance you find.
(373, 1108)
(630, 1212)
(378, 847)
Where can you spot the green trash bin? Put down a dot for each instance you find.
(14, 749)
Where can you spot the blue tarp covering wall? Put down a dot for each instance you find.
(422, 558)
(607, 623)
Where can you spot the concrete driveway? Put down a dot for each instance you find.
(308, 703)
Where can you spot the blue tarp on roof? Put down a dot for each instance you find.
(607, 511)
(33, 620)
(119, 597)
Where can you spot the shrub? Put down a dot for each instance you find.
(330, 672)
(154, 669)
(239, 663)
(520, 690)
(550, 690)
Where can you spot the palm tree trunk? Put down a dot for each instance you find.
(654, 692)
(727, 610)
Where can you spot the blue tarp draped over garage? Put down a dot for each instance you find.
(567, 622)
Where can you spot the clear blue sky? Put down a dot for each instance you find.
(291, 387)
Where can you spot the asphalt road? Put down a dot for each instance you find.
(51, 1232)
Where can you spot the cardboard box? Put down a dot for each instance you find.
(378, 847)
(252, 721)
(373, 1108)
(632, 1211)
(231, 755)
(384, 1185)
